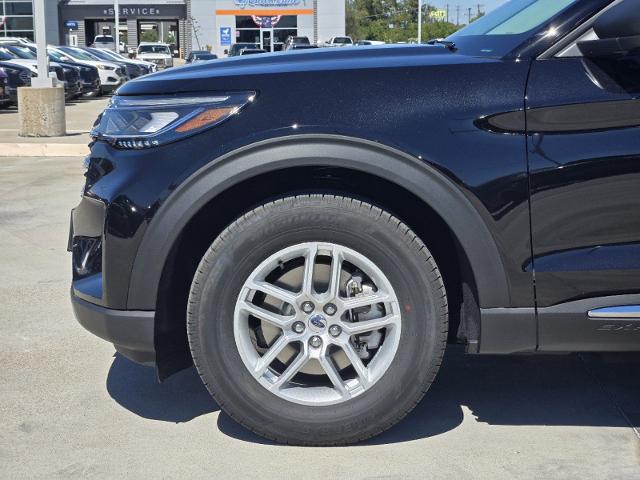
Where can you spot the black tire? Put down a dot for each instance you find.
(391, 245)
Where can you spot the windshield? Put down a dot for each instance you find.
(101, 54)
(78, 54)
(103, 39)
(55, 55)
(110, 54)
(22, 52)
(6, 55)
(154, 49)
(91, 55)
(341, 40)
(502, 30)
(205, 56)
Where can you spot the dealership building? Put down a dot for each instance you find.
(186, 24)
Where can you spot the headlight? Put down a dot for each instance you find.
(105, 67)
(145, 122)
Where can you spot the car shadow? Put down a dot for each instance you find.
(180, 398)
(550, 390)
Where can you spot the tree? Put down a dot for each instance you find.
(392, 21)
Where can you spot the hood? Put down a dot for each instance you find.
(24, 62)
(242, 72)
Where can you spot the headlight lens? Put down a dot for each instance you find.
(150, 121)
(105, 67)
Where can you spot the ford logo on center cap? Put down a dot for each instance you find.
(318, 321)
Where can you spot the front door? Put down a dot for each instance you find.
(583, 121)
(266, 39)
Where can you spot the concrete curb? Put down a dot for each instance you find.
(43, 150)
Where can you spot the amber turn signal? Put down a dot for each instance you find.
(205, 118)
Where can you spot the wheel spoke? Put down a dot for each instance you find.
(270, 317)
(364, 301)
(332, 372)
(356, 362)
(273, 291)
(270, 355)
(309, 263)
(336, 268)
(292, 369)
(355, 328)
(286, 312)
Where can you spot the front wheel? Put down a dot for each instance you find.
(317, 320)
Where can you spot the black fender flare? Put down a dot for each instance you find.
(408, 172)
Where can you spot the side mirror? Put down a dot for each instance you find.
(618, 31)
(226, 51)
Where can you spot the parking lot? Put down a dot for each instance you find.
(71, 408)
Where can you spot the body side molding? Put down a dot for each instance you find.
(622, 312)
(570, 326)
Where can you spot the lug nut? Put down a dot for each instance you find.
(298, 327)
(315, 341)
(308, 307)
(335, 330)
(330, 309)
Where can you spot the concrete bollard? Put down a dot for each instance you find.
(42, 112)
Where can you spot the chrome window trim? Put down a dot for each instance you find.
(565, 43)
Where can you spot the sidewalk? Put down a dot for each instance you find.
(80, 115)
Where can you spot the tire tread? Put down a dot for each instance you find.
(410, 239)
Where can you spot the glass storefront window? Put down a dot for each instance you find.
(245, 22)
(17, 8)
(17, 16)
(282, 34)
(248, 36)
(19, 23)
(248, 32)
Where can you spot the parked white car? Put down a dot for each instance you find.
(107, 42)
(366, 43)
(116, 57)
(111, 75)
(158, 53)
(339, 42)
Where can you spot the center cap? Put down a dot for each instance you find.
(317, 323)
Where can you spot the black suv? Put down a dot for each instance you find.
(237, 48)
(297, 43)
(312, 233)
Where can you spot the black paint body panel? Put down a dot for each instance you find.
(415, 100)
(533, 164)
(585, 201)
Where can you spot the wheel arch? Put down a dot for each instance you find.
(407, 172)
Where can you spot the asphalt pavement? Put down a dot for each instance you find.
(71, 408)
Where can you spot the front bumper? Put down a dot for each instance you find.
(92, 86)
(130, 331)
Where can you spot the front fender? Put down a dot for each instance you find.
(416, 176)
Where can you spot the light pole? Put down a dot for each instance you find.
(116, 10)
(42, 80)
(419, 21)
(41, 106)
